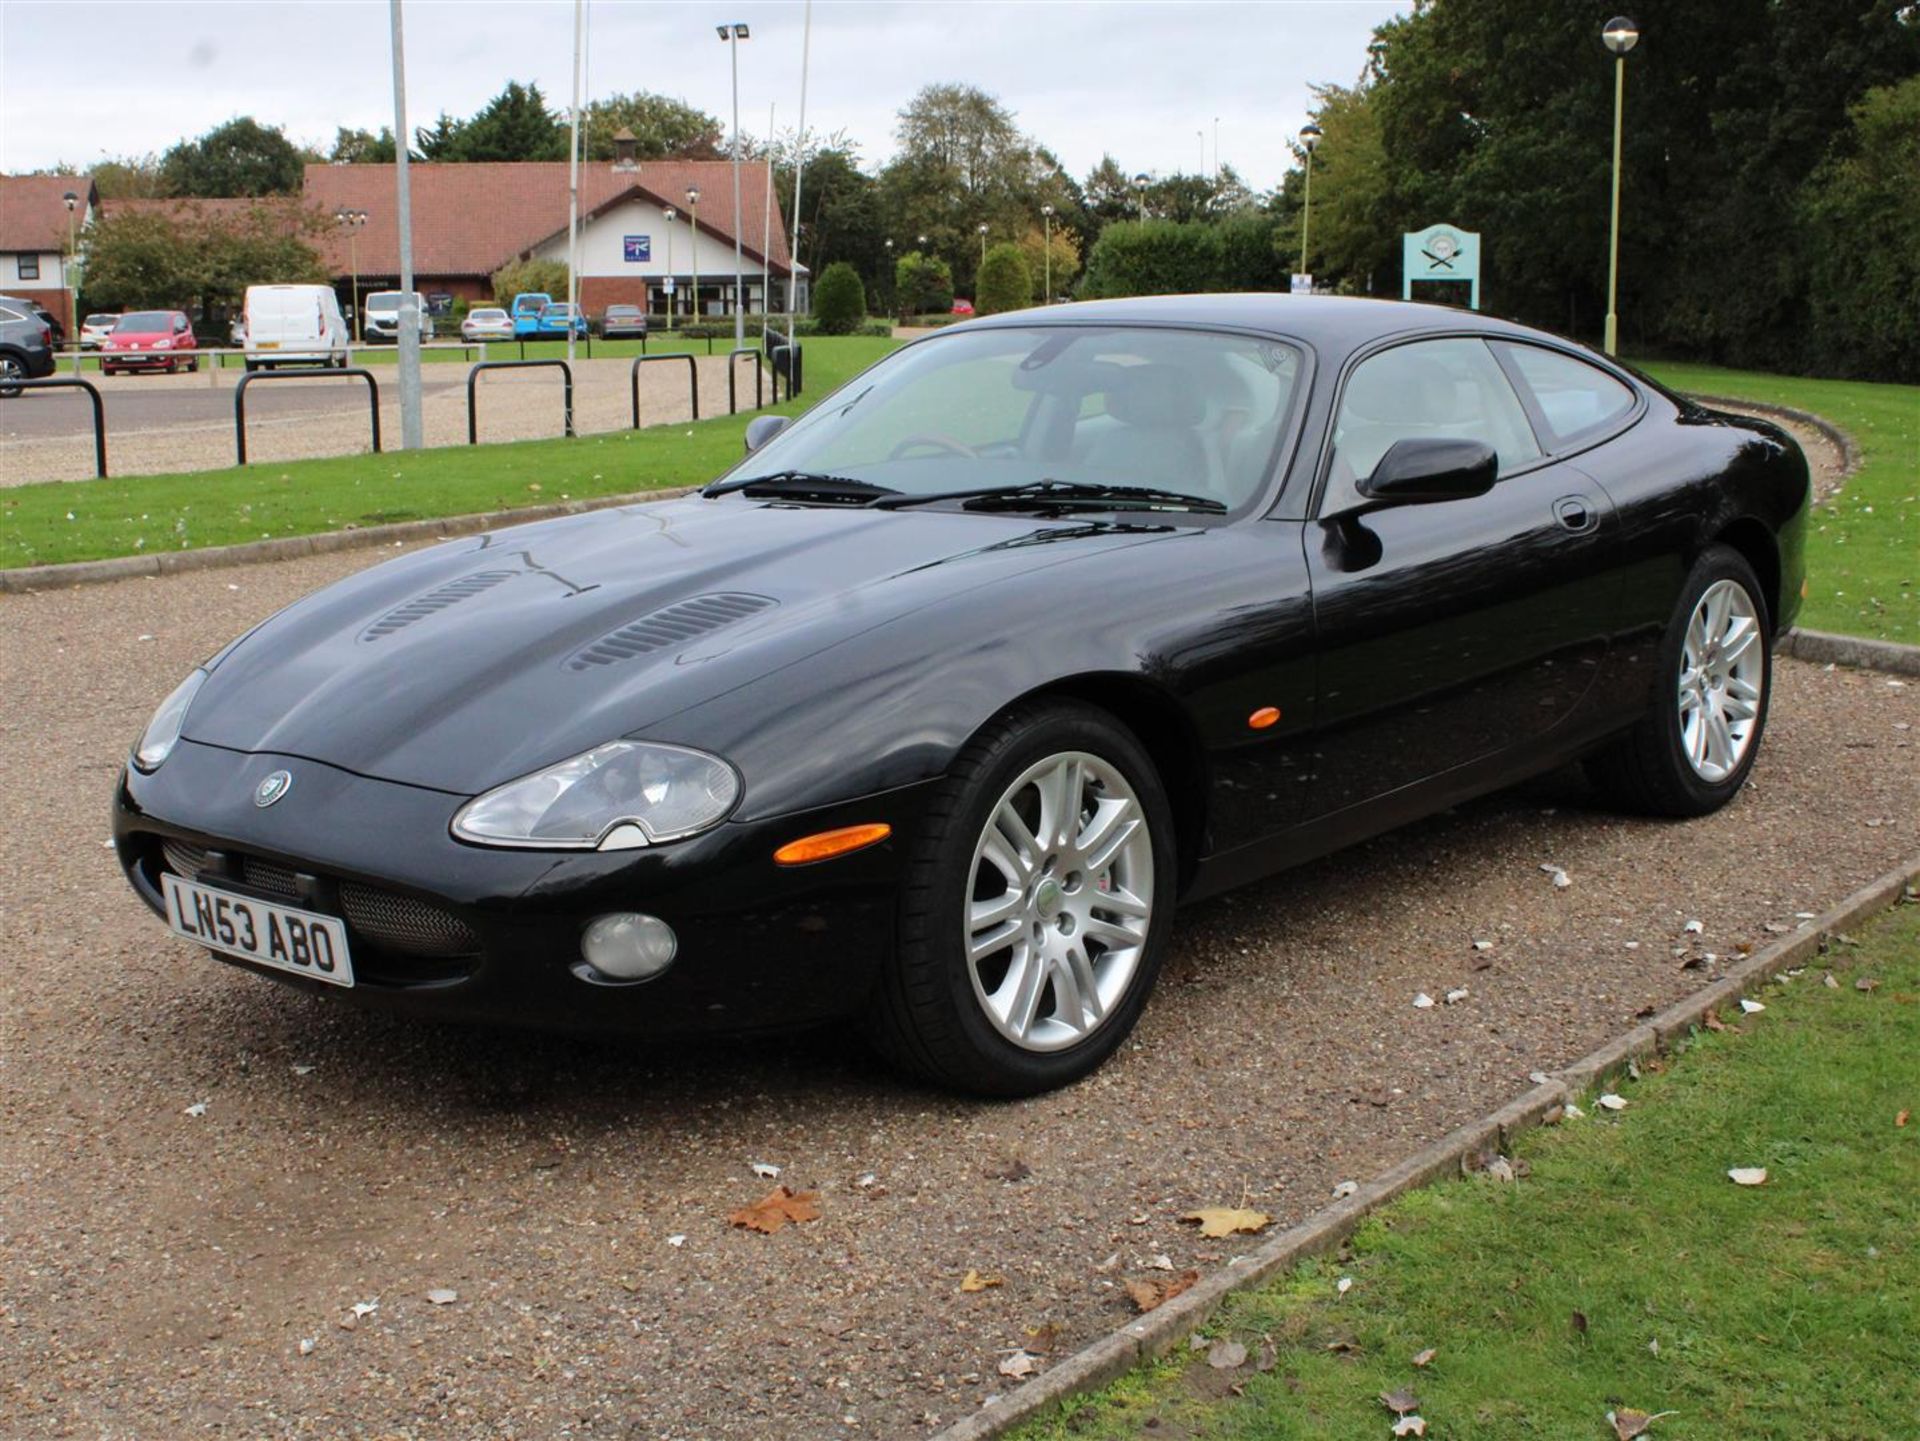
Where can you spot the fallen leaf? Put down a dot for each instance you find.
(775, 1209)
(198, 1108)
(1020, 1365)
(1160, 1261)
(1043, 1338)
(1901, 1119)
(1573, 1113)
(441, 1296)
(1693, 928)
(1150, 1295)
(764, 1171)
(1343, 1285)
(1612, 1102)
(1345, 1188)
(1628, 1423)
(1748, 1175)
(1458, 994)
(677, 1241)
(1501, 1169)
(1713, 1022)
(1400, 1402)
(1217, 1221)
(1226, 1356)
(1410, 1426)
(1014, 1170)
(307, 1343)
(1268, 1357)
(1830, 983)
(1579, 1321)
(1483, 945)
(973, 1281)
(364, 1309)
(1423, 1002)
(1425, 1358)
(1751, 1007)
(1866, 983)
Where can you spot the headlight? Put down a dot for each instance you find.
(157, 743)
(614, 797)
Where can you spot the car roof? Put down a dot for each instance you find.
(1331, 323)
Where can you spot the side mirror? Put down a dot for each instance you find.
(763, 428)
(1419, 472)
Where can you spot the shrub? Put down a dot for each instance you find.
(546, 277)
(1154, 257)
(923, 283)
(839, 300)
(1003, 282)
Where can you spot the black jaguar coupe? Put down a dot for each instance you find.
(932, 710)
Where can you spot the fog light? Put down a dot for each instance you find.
(627, 946)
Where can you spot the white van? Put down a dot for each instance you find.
(383, 317)
(294, 325)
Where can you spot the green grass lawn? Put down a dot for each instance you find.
(135, 515)
(1863, 549)
(1625, 1269)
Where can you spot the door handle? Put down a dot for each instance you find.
(1577, 513)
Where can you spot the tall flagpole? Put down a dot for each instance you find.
(412, 435)
(573, 186)
(766, 235)
(799, 161)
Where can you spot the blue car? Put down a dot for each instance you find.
(554, 318)
(526, 312)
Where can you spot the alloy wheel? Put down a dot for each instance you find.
(1060, 901)
(1722, 669)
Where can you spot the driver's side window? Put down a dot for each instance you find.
(1450, 389)
(973, 403)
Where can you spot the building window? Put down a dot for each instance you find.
(30, 267)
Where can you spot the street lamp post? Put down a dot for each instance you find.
(670, 215)
(693, 224)
(1619, 36)
(1046, 253)
(1140, 194)
(1309, 138)
(983, 243)
(66, 279)
(731, 36)
(352, 220)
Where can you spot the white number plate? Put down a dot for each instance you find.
(279, 936)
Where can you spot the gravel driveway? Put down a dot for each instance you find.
(161, 423)
(168, 1274)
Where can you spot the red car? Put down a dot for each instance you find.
(149, 340)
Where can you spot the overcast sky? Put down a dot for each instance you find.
(1144, 82)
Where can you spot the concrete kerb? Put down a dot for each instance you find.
(218, 557)
(1850, 457)
(1161, 1329)
(1826, 648)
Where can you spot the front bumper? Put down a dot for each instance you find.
(119, 358)
(760, 946)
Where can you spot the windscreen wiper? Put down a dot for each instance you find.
(1061, 494)
(803, 485)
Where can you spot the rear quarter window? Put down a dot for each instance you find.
(1579, 401)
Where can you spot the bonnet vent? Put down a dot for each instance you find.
(435, 601)
(674, 625)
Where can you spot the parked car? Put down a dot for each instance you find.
(149, 340)
(294, 325)
(556, 317)
(382, 321)
(624, 322)
(26, 345)
(487, 323)
(95, 328)
(526, 309)
(962, 307)
(932, 710)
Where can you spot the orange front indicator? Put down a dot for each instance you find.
(1264, 717)
(828, 844)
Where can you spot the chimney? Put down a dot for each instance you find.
(623, 148)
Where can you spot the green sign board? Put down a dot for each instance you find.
(1440, 252)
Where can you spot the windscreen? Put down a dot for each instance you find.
(143, 321)
(1196, 412)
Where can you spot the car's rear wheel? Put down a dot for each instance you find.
(12, 372)
(1691, 752)
(1035, 907)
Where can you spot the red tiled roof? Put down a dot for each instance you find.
(185, 207)
(471, 219)
(33, 209)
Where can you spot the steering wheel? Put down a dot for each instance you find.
(939, 442)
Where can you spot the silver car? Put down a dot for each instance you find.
(487, 323)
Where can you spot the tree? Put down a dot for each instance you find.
(1354, 225)
(1003, 282)
(438, 141)
(663, 128)
(183, 257)
(127, 177)
(1065, 260)
(241, 157)
(922, 284)
(545, 277)
(1860, 213)
(1154, 257)
(142, 258)
(839, 300)
(962, 163)
(514, 125)
(362, 147)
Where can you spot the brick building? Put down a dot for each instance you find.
(34, 228)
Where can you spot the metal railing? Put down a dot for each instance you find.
(473, 376)
(759, 383)
(784, 354)
(20, 387)
(693, 380)
(254, 377)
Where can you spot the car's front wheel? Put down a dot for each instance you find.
(1691, 752)
(1035, 908)
(12, 372)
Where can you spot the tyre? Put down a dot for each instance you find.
(12, 372)
(1690, 753)
(193, 366)
(1035, 907)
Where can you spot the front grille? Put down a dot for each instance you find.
(400, 923)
